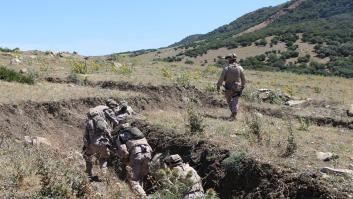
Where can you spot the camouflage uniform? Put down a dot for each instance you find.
(117, 113)
(234, 79)
(96, 140)
(186, 172)
(132, 144)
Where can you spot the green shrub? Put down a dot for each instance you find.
(184, 79)
(221, 63)
(78, 67)
(125, 70)
(211, 87)
(304, 124)
(254, 126)
(172, 59)
(234, 163)
(261, 42)
(166, 73)
(8, 50)
(304, 59)
(13, 76)
(96, 66)
(194, 121)
(317, 90)
(291, 145)
(171, 185)
(190, 62)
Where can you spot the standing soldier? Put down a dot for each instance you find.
(234, 83)
(96, 140)
(132, 145)
(188, 174)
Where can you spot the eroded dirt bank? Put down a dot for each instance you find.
(321, 113)
(63, 122)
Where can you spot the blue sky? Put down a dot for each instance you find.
(98, 27)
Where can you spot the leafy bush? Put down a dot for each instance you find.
(171, 185)
(78, 67)
(13, 76)
(190, 62)
(8, 50)
(211, 88)
(125, 70)
(194, 121)
(254, 126)
(261, 42)
(166, 73)
(291, 146)
(172, 59)
(184, 79)
(221, 63)
(304, 59)
(96, 66)
(234, 163)
(304, 124)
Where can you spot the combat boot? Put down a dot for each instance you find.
(233, 117)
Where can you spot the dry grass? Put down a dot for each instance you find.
(272, 141)
(37, 172)
(17, 93)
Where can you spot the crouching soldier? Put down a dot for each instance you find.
(188, 173)
(132, 145)
(116, 113)
(96, 141)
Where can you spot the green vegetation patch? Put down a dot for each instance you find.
(13, 76)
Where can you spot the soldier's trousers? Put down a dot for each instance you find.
(232, 100)
(102, 154)
(139, 164)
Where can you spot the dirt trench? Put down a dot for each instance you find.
(258, 180)
(324, 113)
(63, 122)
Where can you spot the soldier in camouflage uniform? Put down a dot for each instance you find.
(117, 113)
(234, 83)
(132, 145)
(96, 140)
(186, 172)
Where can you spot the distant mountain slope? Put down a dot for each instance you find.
(326, 24)
(235, 27)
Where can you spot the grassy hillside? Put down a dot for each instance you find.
(328, 25)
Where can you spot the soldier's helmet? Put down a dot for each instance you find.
(173, 160)
(111, 103)
(231, 57)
